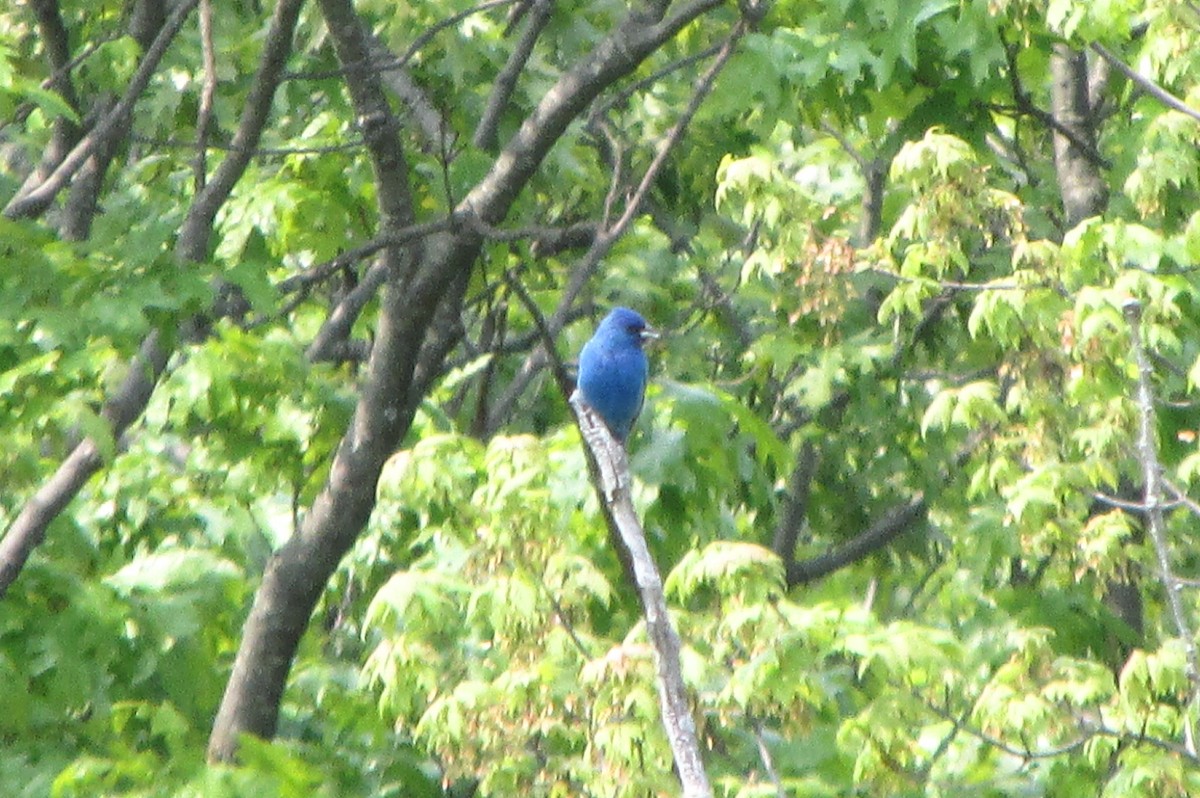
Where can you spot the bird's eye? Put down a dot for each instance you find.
(634, 329)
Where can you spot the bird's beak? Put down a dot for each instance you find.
(649, 334)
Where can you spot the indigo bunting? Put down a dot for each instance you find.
(613, 369)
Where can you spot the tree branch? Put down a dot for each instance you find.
(1081, 185)
(795, 508)
(83, 198)
(323, 271)
(609, 469)
(208, 92)
(1023, 104)
(380, 67)
(336, 329)
(421, 109)
(1147, 452)
(37, 199)
(872, 539)
(29, 528)
(56, 40)
(764, 754)
(1145, 84)
(197, 228)
(506, 81)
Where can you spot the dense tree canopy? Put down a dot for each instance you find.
(293, 501)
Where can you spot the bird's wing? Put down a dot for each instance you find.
(642, 393)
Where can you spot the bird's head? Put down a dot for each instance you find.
(628, 325)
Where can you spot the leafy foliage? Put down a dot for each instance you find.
(858, 250)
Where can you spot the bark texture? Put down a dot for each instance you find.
(1080, 180)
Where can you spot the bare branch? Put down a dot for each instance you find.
(764, 754)
(1146, 84)
(256, 152)
(609, 468)
(561, 378)
(322, 271)
(1119, 503)
(197, 228)
(613, 152)
(638, 85)
(1023, 104)
(845, 143)
(875, 537)
(83, 198)
(1023, 752)
(1083, 189)
(1147, 451)
(954, 285)
(29, 528)
(23, 110)
(303, 282)
(208, 92)
(414, 48)
(420, 108)
(296, 575)
(1090, 730)
(56, 40)
(1182, 498)
(703, 87)
(506, 81)
(336, 328)
(146, 18)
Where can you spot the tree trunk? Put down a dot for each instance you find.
(1076, 160)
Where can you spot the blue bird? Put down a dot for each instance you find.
(613, 369)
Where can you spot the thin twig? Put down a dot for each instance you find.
(897, 521)
(1182, 498)
(1027, 753)
(547, 335)
(610, 233)
(1024, 105)
(862, 160)
(335, 331)
(960, 286)
(651, 79)
(1024, 752)
(1113, 501)
(324, 270)
(703, 87)
(257, 152)
(764, 754)
(23, 110)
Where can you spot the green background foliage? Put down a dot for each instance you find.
(968, 350)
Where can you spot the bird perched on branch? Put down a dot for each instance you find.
(613, 369)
